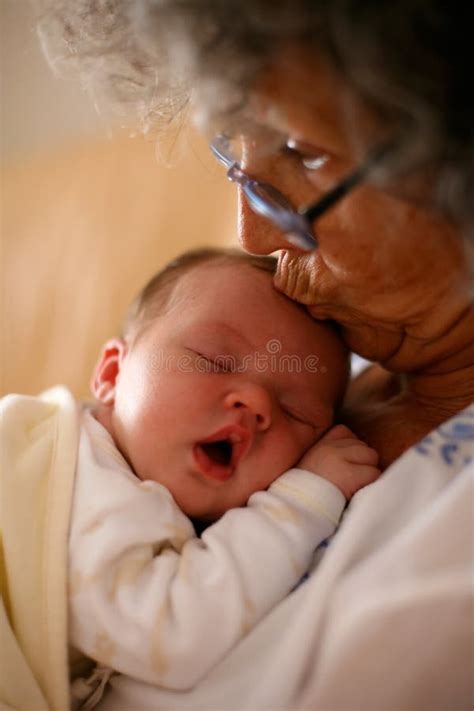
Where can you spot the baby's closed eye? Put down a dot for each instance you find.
(218, 363)
(294, 414)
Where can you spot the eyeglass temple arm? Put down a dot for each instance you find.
(349, 182)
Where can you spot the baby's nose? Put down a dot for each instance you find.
(255, 400)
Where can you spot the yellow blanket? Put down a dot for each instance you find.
(38, 448)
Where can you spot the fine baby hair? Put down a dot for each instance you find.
(154, 296)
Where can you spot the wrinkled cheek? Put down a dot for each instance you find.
(361, 333)
(352, 260)
(372, 342)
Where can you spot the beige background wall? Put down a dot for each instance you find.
(88, 214)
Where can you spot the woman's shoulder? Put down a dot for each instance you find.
(451, 444)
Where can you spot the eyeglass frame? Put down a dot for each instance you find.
(270, 203)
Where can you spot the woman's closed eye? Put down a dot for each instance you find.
(312, 157)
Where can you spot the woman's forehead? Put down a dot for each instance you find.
(303, 95)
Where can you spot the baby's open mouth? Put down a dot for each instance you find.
(219, 452)
(218, 455)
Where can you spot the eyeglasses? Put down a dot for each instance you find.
(268, 202)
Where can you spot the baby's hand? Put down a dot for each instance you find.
(343, 459)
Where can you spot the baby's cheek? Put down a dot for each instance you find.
(306, 443)
(289, 446)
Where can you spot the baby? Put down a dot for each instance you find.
(215, 407)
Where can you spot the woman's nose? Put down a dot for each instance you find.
(255, 401)
(256, 234)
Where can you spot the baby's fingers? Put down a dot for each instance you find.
(365, 474)
(336, 433)
(360, 453)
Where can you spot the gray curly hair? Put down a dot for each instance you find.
(408, 59)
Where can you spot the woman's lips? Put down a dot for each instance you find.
(238, 437)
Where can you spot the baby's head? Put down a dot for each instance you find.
(220, 383)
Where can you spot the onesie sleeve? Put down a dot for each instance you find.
(152, 600)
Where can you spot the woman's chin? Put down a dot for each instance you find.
(370, 341)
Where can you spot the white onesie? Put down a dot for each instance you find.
(152, 600)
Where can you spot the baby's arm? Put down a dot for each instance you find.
(343, 459)
(151, 600)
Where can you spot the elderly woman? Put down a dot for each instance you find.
(362, 113)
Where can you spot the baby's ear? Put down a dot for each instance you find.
(107, 369)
